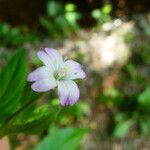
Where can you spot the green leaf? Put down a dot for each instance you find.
(35, 124)
(122, 129)
(113, 92)
(144, 98)
(70, 7)
(28, 96)
(54, 9)
(64, 139)
(107, 9)
(72, 18)
(96, 13)
(12, 79)
(33, 112)
(64, 24)
(145, 125)
(50, 26)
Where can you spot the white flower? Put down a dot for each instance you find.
(57, 73)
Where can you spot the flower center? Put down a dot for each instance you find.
(60, 74)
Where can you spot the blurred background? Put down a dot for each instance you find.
(111, 38)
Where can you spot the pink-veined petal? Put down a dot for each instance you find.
(74, 70)
(44, 57)
(77, 74)
(39, 73)
(71, 64)
(43, 85)
(68, 92)
(55, 56)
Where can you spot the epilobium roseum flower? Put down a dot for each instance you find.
(59, 73)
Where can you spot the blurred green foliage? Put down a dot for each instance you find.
(61, 20)
(15, 36)
(102, 15)
(64, 139)
(128, 111)
(72, 114)
(131, 100)
(129, 37)
(144, 99)
(144, 47)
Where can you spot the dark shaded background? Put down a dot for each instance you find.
(27, 12)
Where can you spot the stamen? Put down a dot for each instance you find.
(59, 75)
